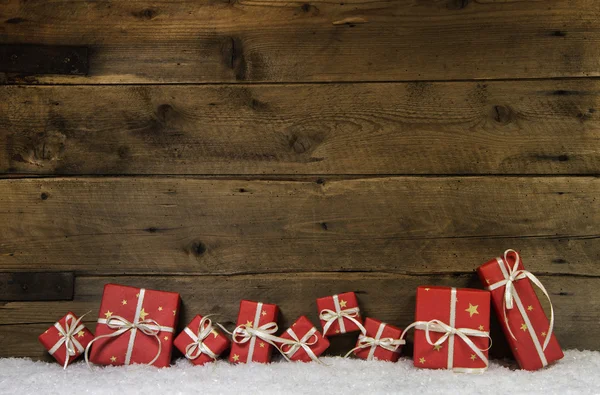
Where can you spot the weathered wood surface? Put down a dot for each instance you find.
(524, 127)
(385, 296)
(36, 286)
(262, 40)
(40, 59)
(224, 226)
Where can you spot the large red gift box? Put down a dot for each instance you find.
(339, 314)
(154, 314)
(443, 312)
(201, 342)
(380, 342)
(66, 332)
(525, 325)
(254, 334)
(310, 343)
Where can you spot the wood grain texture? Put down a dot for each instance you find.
(524, 127)
(390, 298)
(223, 226)
(262, 40)
(36, 286)
(44, 59)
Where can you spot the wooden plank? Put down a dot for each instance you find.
(151, 225)
(36, 286)
(262, 40)
(384, 296)
(43, 59)
(525, 127)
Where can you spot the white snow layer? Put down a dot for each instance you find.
(577, 373)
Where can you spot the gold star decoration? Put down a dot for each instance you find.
(343, 303)
(143, 314)
(166, 338)
(262, 345)
(529, 308)
(337, 331)
(543, 334)
(248, 323)
(215, 333)
(235, 357)
(174, 312)
(422, 360)
(108, 314)
(123, 302)
(160, 308)
(473, 357)
(46, 331)
(487, 281)
(472, 309)
(264, 313)
(437, 347)
(80, 334)
(137, 295)
(113, 359)
(523, 327)
(481, 327)
(427, 289)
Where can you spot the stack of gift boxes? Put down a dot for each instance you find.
(451, 328)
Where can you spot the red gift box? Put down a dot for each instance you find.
(452, 329)
(339, 314)
(135, 325)
(380, 342)
(201, 342)
(253, 338)
(523, 320)
(66, 339)
(306, 342)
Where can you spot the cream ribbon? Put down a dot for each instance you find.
(121, 325)
(386, 343)
(72, 345)
(305, 342)
(330, 316)
(197, 347)
(511, 275)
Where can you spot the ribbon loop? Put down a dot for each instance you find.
(198, 347)
(330, 316)
(72, 346)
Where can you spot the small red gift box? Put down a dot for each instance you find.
(452, 329)
(66, 339)
(380, 342)
(520, 312)
(135, 325)
(201, 342)
(253, 338)
(309, 343)
(339, 314)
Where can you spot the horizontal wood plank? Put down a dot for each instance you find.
(36, 286)
(525, 127)
(151, 225)
(384, 296)
(42, 59)
(262, 40)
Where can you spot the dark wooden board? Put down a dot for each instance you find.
(36, 286)
(181, 225)
(258, 40)
(523, 127)
(43, 59)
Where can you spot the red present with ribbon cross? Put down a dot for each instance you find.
(66, 339)
(254, 336)
(135, 325)
(452, 329)
(339, 314)
(381, 342)
(303, 342)
(201, 342)
(520, 312)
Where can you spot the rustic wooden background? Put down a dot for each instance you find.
(281, 151)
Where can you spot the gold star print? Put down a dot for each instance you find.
(437, 347)
(343, 303)
(123, 302)
(137, 295)
(262, 345)
(487, 281)
(235, 357)
(264, 313)
(174, 312)
(337, 331)
(523, 327)
(473, 357)
(143, 314)
(427, 289)
(543, 334)
(108, 314)
(113, 359)
(472, 309)
(248, 323)
(422, 360)
(46, 331)
(159, 308)
(529, 308)
(80, 334)
(166, 338)
(215, 333)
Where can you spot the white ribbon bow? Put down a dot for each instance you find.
(72, 345)
(386, 343)
(197, 347)
(330, 316)
(309, 339)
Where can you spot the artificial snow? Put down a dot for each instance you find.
(577, 373)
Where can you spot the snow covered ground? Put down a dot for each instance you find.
(577, 373)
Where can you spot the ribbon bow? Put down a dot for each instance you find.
(330, 316)
(514, 274)
(72, 345)
(310, 338)
(386, 343)
(197, 347)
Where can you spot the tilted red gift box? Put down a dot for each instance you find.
(388, 335)
(303, 331)
(526, 320)
(254, 315)
(344, 312)
(155, 311)
(198, 343)
(67, 329)
(466, 309)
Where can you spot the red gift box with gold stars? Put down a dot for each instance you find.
(380, 342)
(452, 328)
(254, 334)
(525, 324)
(201, 341)
(310, 342)
(339, 314)
(135, 326)
(66, 339)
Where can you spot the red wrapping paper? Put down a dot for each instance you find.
(524, 347)
(216, 341)
(388, 331)
(301, 327)
(51, 336)
(346, 300)
(256, 350)
(472, 311)
(120, 300)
